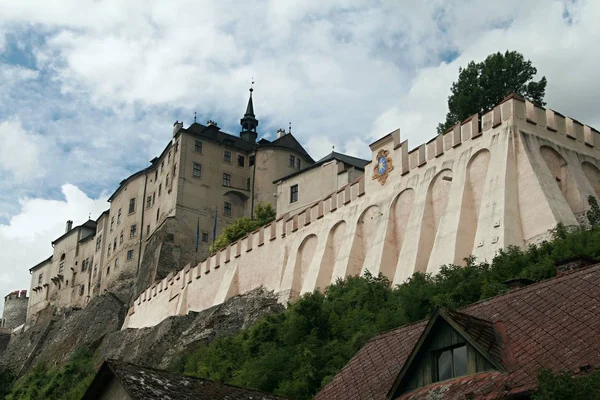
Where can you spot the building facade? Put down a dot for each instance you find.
(166, 215)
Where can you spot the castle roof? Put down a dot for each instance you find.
(552, 324)
(41, 263)
(89, 224)
(346, 159)
(152, 384)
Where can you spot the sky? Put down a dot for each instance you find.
(89, 90)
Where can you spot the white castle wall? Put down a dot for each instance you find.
(504, 180)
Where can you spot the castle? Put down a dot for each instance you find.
(503, 178)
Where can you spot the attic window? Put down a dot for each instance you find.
(450, 363)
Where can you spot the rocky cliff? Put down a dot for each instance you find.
(52, 338)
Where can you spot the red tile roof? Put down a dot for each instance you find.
(553, 324)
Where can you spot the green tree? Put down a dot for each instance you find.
(593, 214)
(481, 86)
(263, 214)
(563, 386)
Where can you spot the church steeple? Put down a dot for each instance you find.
(249, 122)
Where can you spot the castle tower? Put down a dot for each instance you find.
(15, 309)
(249, 122)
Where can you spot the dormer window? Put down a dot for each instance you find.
(450, 363)
(452, 345)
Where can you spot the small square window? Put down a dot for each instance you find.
(176, 146)
(167, 180)
(298, 161)
(205, 237)
(115, 244)
(149, 202)
(153, 198)
(133, 231)
(251, 160)
(131, 205)
(241, 161)
(99, 243)
(197, 173)
(82, 290)
(198, 146)
(112, 222)
(116, 262)
(174, 170)
(155, 175)
(293, 193)
(292, 162)
(227, 208)
(40, 277)
(147, 230)
(227, 156)
(226, 180)
(121, 238)
(119, 217)
(107, 270)
(157, 213)
(129, 255)
(61, 267)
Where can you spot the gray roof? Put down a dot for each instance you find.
(353, 161)
(150, 384)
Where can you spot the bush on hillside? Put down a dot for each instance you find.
(296, 352)
(263, 214)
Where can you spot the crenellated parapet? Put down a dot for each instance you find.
(499, 179)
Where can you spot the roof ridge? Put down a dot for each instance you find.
(461, 310)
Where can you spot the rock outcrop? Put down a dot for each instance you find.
(52, 338)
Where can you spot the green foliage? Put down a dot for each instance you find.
(593, 214)
(263, 214)
(68, 382)
(296, 352)
(7, 379)
(563, 386)
(481, 86)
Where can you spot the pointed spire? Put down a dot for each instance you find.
(250, 107)
(249, 122)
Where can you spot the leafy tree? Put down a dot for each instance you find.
(7, 379)
(263, 214)
(481, 86)
(593, 214)
(563, 386)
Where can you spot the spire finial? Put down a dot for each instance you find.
(194, 116)
(252, 86)
(290, 128)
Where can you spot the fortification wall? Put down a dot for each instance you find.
(15, 309)
(503, 179)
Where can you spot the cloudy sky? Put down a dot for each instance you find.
(89, 90)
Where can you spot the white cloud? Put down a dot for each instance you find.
(19, 152)
(111, 76)
(25, 239)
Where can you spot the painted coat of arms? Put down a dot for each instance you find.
(383, 166)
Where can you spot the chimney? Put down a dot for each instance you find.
(573, 264)
(280, 132)
(177, 126)
(210, 122)
(517, 283)
(69, 226)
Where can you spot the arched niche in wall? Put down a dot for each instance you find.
(400, 211)
(238, 202)
(332, 249)
(560, 172)
(592, 173)
(470, 209)
(435, 206)
(306, 251)
(365, 230)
